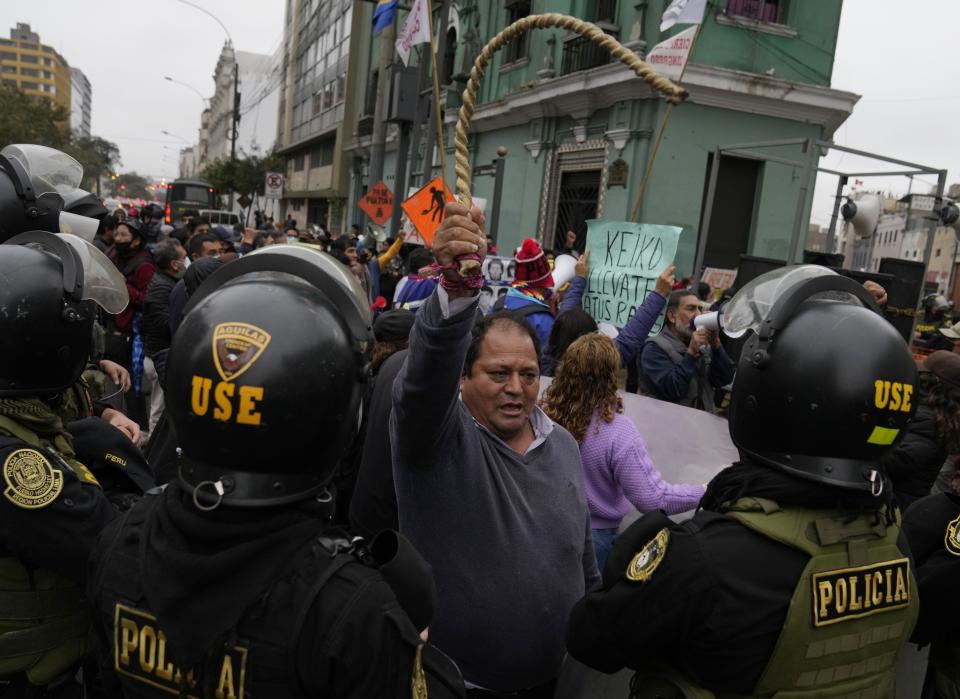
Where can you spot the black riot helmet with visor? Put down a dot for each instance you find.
(826, 385)
(36, 184)
(265, 377)
(51, 285)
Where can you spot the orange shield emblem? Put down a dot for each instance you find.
(236, 346)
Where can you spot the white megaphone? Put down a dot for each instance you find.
(564, 270)
(707, 321)
(863, 214)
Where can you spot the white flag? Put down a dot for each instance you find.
(669, 57)
(683, 12)
(415, 30)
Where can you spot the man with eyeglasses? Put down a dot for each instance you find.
(682, 365)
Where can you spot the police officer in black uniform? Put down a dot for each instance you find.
(230, 581)
(52, 506)
(791, 578)
(932, 526)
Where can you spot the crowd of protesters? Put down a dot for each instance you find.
(454, 406)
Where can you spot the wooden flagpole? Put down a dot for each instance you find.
(663, 127)
(436, 99)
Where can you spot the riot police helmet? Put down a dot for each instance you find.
(33, 182)
(265, 378)
(50, 286)
(824, 387)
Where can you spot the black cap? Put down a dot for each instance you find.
(393, 326)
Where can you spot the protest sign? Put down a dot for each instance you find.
(625, 261)
(426, 207)
(378, 204)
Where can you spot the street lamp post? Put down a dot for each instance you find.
(173, 135)
(189, 87)
(235, 120)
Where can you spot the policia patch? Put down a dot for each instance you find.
(140, 651)
(853, 593)
(32, 482)
(642, 565)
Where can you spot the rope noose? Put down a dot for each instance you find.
(673, 93)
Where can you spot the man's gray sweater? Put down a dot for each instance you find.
(507, 534)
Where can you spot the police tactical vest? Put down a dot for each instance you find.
(853, 609)
(854, 606)
(259, 659)
(44, 616)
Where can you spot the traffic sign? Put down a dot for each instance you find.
(378, 203)
(425, 208)
(273, 188)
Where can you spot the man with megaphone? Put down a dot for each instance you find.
(685, 362)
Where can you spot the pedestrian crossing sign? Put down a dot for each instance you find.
(425, 209)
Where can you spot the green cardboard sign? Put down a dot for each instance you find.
(625, 261)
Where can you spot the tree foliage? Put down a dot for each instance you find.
(131, 185)
(245, 176)
(98, 156)
(28, 119)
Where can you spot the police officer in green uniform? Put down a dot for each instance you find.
(791, 580)
(52, 507)
(231, 582)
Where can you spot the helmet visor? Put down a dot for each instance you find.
(49, 170)
(329, 265)
(751, 305)
(102, 281)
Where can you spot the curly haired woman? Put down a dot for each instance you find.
(617, 469)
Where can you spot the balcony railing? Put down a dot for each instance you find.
(580, 53)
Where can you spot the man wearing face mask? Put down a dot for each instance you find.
(683, 366)
(170, 258)
(136, 265)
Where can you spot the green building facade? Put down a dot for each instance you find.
(579, 128)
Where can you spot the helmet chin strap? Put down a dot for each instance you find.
(210, 487)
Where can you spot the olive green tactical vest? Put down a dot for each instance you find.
(835, 643)
(44, 618)
(837, 640)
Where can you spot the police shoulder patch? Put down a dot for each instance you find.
(31, 480)
(647, 560)
(951, 539)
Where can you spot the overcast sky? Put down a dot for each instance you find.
(126, 47)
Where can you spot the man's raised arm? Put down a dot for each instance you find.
(426, 391)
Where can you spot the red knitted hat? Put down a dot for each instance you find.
(532, 265)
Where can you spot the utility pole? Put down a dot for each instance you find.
(388, 38)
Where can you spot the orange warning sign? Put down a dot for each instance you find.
(378, 203)
(425, 208)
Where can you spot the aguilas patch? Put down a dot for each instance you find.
(951, 540)
(853, 593)
(236, 346)
(32, 482)
(642, 565)
(140, 651)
